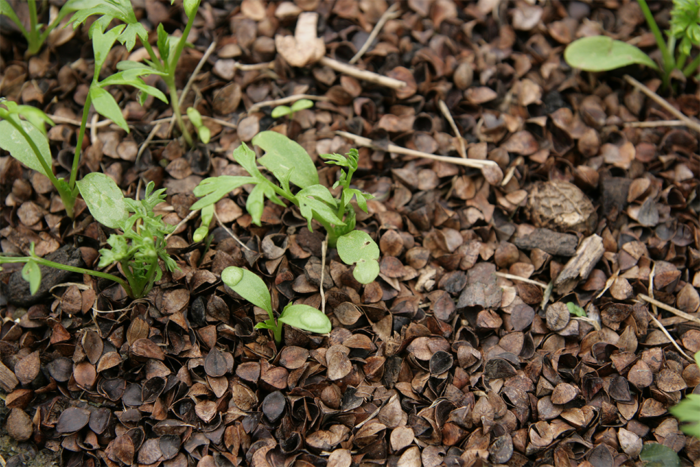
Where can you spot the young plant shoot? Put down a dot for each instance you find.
(249, 286)
(34, 35)
(196, 119)
(290, 163)
(688, 410)
(282, 110)
(26, 141)
(601, 53)
(138, 249)
(164, 63)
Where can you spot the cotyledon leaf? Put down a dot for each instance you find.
(249, 286)
(306, 318)
(358, 248)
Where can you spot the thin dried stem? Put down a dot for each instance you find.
(513, 277)
(673, 341)
(70, 121)
(391, 13)
(446, 112)
(324, 249)
(669, 308)
(186, 90)
(145, 144)
(285, 100)
(655, 124)
(366, 142)
(204, 117)
(230, 232)
(663, 103)
(93, 129)
(181, 223)
(364, 75)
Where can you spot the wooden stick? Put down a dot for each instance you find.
(285, 100)
(655, 124)
(391, 13)
(663, 103)
(181, 223)
(446, 112)
(185, 117)
(230, 232)
(669, 308)
(366, 142)
(253, 67)
(361, 74)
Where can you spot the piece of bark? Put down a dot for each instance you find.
(17, 291)
(580, 266)
(552, 242)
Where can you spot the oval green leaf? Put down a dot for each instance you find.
(601, 53)
(104, 199)
(306, 318)
(249, 286)
(658, 455)
(358, 248)
(106, 106)
(32, 274)
(280, 111)
(282, 155)
(18, 147)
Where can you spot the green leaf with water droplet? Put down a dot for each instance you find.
(249, 286)
(306, 318)
(104, 199)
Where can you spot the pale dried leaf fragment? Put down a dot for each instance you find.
(304, 48)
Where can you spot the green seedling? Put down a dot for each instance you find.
(26, 140)
(291, 164)
(139, 247)
(35, 36)
(196, 119)
(576, 310)
(253, 289)
(163, 63)
(601, 53)
(282, 110)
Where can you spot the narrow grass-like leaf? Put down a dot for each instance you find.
(6, 9)
(106, 106)
(104, 199)
(215, 188)
(282, 155)
(306, 318)
(249, 286)
(601, 53)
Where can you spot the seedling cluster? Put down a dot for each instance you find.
(291, 164)
(138, 243)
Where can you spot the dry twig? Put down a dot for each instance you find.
(366, 142)
(285, 100)
(669, 308)
(230, 232)
(446, 112)
(391, 13)
(185, 91)
(145, 144)
(663, 103)
(668, 336)
(655, 124)
(324, 249)
(513, 277)
(70, 121)
(181, 223)
(361, 74)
